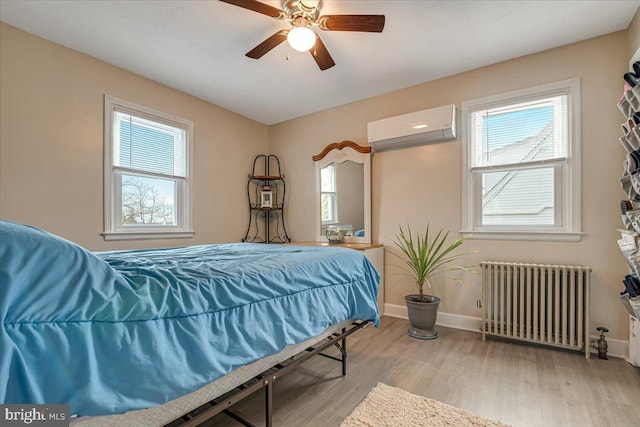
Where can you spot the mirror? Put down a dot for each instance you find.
(343, 192)
(342, 196)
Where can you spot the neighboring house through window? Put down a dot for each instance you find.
(147, 172)
(521, 164)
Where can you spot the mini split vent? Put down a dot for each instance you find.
(413, 129)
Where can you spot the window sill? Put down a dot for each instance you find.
(549, 236)
(129, 235)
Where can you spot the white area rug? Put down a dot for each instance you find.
(387, 406)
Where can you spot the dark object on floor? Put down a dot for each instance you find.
(602, 343)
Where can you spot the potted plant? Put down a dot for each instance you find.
(423, 256)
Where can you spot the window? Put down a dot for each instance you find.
(328, 197)
(521, 164)
(147, 173)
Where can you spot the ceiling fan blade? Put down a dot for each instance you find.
(365, 23)
(264, 47)
(257, 6)
(321, 55)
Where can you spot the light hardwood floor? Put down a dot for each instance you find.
(519, 384)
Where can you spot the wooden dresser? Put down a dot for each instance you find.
(374, 253)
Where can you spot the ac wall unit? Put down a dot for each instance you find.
(412, 129)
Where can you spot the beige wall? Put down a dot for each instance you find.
(51, 109)
(419, 185)
(633, 35)
(51, 142)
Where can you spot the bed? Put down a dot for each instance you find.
(114, 332)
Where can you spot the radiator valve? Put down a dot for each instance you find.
(602, 343)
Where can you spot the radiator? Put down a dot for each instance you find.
(544, 304)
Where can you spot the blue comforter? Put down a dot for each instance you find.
(116, 331)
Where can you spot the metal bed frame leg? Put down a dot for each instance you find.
(268, 401)
(238, 418)
(343, 350)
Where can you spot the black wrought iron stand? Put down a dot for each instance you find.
(266, 193)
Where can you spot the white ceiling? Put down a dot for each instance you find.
(198, 47)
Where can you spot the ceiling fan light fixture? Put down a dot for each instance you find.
(303, 15)
(301, 38)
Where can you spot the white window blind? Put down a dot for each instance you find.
(520, 133)
(148, 146)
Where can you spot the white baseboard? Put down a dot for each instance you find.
(616, 348)
(394, 310)
(449, 320)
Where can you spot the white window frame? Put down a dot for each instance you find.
(333, 195)
(113, 228)
(567, 171)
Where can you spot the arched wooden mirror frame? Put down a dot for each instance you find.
(339, 153)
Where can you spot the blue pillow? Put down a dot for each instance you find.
(40, 272)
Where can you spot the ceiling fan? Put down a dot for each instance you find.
(302, 15)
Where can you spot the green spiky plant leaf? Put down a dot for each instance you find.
(424, 255)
